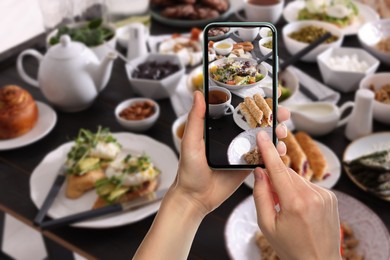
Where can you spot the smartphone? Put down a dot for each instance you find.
(240, 67)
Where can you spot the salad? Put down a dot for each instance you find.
(338, 12)
(236, 72)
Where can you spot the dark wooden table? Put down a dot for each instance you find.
(17, 165)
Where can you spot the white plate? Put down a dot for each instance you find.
(243, 143)
(44, 174)
(366, 14)
(366, 145)
(334, 169)
(368, 228)
(46, 120)
(188, 57)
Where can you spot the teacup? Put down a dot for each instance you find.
(219, 100)
(178, 128)
(262, 10)
(319, 118)
(248, 34)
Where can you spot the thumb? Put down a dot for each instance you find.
(264, 202)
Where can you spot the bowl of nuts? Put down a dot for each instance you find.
(137, 114)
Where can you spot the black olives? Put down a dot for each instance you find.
(154, 70)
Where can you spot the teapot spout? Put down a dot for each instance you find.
(103, 72)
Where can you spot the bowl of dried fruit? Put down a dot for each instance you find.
(137, 114)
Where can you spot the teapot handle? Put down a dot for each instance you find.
(342, 109)
(21, 71)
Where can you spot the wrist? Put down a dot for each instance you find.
(185, 204)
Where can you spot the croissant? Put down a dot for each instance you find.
(18, 112)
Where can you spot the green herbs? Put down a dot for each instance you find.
(92, 34)
(79, 160)
(372, 171)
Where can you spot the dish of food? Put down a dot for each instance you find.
(367, 164)
(253, 112)
(190, 13)
(195, 80)
(332, 170)
(241, 229)
(218, 33)
(236, 73)
(162, 156)
(364, 14)
(243, 144)
(188, 50)
(310, 34)
(382, 94)
(47, 119)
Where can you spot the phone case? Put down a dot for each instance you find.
(236, 68)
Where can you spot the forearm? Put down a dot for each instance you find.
(173, 229)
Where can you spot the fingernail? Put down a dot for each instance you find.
(264, 136)
(258, 174)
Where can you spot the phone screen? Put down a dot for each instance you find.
(240, 69)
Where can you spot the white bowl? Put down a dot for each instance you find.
(294, 46)
(137, 125)
(265, 50)
(223, 51)
(261, 68)
(371, 33)
(155, 89)
(290, 81)
(175, 126)
(381, 111)
(345, 81)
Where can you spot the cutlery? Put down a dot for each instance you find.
(50, 197)
(94, 213)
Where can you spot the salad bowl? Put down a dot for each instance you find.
(223, 72)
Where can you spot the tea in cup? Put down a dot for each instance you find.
(262, 10)
(178, 128)
(219, 102)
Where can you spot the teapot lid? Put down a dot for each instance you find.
(66, 49)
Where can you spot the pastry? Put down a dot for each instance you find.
(299, 162)
(247, 116)
(18, 112)
(316, 159)
(262, 104)
(254, 109)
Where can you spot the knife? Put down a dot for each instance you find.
(94, 213)
(50, 197)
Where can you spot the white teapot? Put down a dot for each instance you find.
(70, 75)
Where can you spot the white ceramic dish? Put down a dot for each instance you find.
(175, 126)
(243, 143)
(368, 228)
(261, 68)
(265, 50)
(223, 51)
(44, 174)
(333, 169)
(345, 81)
(137, 125)
(46, 121)
(373, 32)
(381, 111)
(363, 146)
(366, 14)
(155, 89)
(187, 56)
(294, 46)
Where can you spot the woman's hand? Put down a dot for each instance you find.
(307, 225)
(204, 188)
